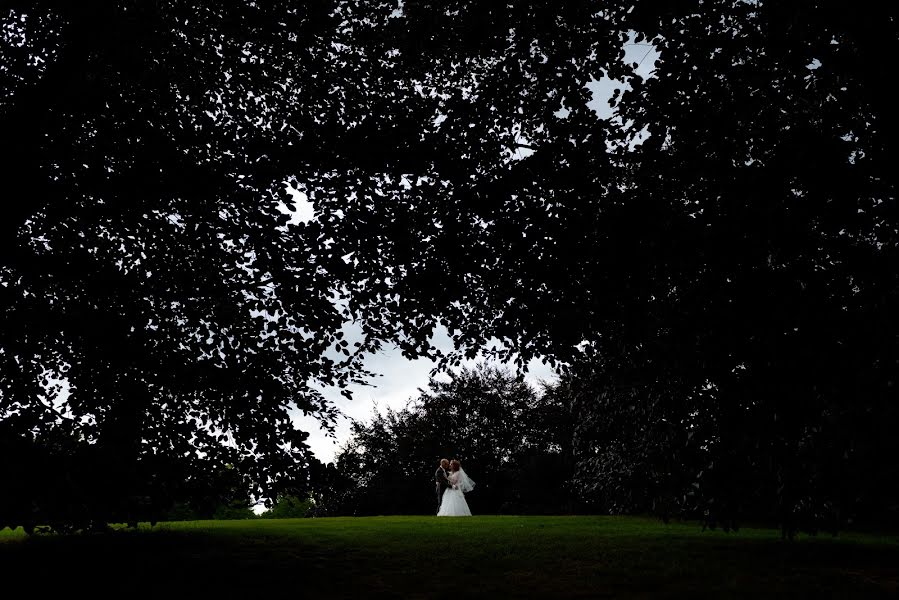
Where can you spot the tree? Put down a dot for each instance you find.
(511, 440)
(726, 243)
(721, 254)
(144, 261)
(290, 507)
(762, 294)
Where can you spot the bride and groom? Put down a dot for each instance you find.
(452, 483)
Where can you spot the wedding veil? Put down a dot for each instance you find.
(465, 483)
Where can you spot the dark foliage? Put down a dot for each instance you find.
(513, 442)
(751, 369)
(716, 266)
(290, 507)
(143, 258)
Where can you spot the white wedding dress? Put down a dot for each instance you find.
(453, 503)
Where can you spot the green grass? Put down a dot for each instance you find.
(424, 557)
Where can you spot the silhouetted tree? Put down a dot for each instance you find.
(514, 443)
(748, 362)
(721, 253)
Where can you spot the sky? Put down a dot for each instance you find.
(399, 382)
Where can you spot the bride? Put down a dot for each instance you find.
(453, 503)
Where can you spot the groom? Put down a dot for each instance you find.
(441, 480)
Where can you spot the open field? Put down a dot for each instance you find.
(424, 557)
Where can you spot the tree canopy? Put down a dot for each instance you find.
(725, 245)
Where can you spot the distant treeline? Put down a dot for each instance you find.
(514, 441)
(569, 448)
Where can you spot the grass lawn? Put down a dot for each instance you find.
(427, 557)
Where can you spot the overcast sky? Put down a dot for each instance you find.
(400, 381)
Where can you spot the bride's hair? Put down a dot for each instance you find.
(455, 465)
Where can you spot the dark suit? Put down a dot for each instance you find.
(442, 479)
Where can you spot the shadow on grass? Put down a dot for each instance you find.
(425, 558)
